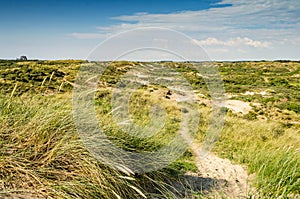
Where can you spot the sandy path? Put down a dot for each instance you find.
(216, 178)
(234, 177)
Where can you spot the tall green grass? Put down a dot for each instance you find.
(269, 150)
(41, 154)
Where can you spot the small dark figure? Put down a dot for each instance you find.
(168, 95)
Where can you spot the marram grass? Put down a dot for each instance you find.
(41, 154)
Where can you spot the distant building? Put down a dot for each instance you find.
(22, 58)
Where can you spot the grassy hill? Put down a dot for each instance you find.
(42, 155)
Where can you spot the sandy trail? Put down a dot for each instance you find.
(234, 178)
(216, 178)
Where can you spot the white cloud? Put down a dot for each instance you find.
(237, 30)
(243, 14)
(210, 41)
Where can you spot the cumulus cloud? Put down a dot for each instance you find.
(211, 41)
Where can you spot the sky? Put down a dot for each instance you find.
(225, 29)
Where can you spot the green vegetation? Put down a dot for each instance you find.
(41, 153)
(279, 80)
(268, 149)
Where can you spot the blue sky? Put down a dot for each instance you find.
(226, 29)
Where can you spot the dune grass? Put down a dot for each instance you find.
(41, 153)
(269, 150)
